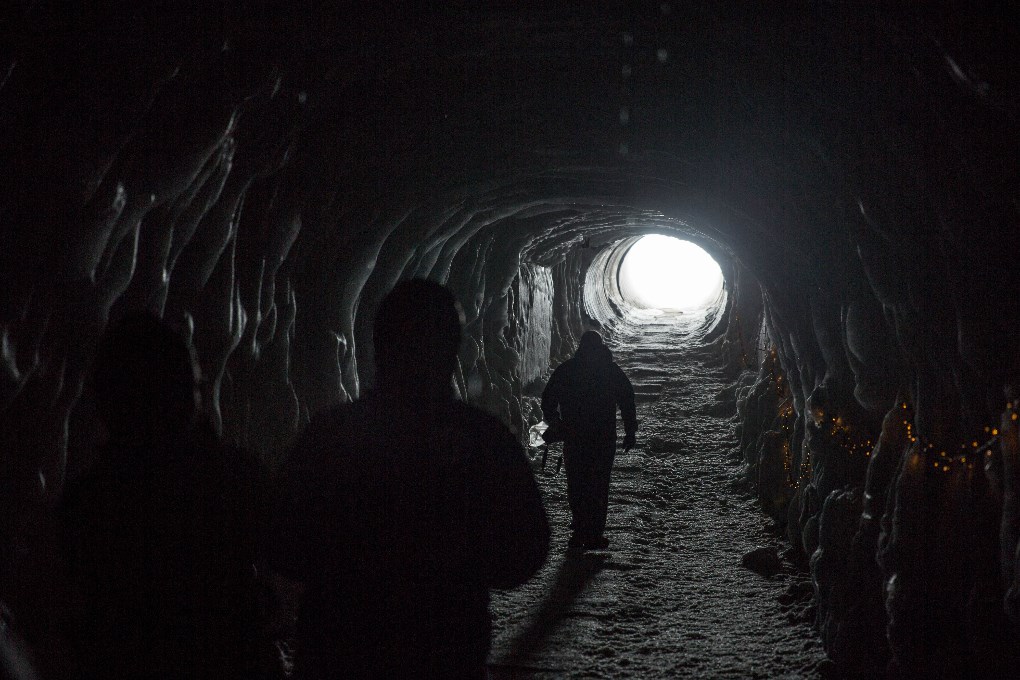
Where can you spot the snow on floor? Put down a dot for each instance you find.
(669, 598)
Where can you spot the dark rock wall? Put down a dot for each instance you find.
(262, 176)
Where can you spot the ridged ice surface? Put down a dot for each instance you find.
(669, 598)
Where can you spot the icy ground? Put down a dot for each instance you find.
(669, 598)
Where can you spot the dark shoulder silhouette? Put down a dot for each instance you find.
(400, 511)
(163, 533)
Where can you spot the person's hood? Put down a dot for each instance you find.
(597, 355)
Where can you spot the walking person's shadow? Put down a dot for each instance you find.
(574, 574)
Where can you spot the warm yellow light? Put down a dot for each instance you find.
(995, 432)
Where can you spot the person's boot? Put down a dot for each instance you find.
(576, 542)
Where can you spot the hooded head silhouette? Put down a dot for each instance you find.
(591, 348)
(145, 380)
(590, 340)
(417, 335)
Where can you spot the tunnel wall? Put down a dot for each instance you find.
(532, 315)
(262, 178)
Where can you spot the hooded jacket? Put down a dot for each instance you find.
(584, 393)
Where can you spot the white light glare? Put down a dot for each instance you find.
(662, 272)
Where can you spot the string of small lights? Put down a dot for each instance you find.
(938, 458)
(841, 434)
(787, 415)
(969, 453)
(777, 376)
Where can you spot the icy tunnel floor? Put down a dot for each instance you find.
(669, 598)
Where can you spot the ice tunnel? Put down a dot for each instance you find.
(264, 175)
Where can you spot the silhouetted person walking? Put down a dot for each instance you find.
(163, 531)
(581, 399)
(403, 509)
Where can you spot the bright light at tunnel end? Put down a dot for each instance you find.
(662, 272)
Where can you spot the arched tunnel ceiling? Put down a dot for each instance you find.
(790, 137)
(786, 116)
(767, 110)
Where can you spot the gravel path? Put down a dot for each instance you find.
(669, 598)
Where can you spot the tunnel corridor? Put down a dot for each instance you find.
(669, 597)
(259, 175)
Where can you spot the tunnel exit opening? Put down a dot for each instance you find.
(665, 274)
(656, 276)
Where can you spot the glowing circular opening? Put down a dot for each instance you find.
(662, 272)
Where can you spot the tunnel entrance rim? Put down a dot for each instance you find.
(609, 309)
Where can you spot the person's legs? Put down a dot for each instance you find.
(577, 460)
(601, 472)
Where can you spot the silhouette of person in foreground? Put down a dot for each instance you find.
(580, 401)
(163, 531)
(402, 510)
(15, 656)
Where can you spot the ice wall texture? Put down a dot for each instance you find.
(263, 176)
(533, 310)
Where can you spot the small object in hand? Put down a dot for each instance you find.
(553, 433)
